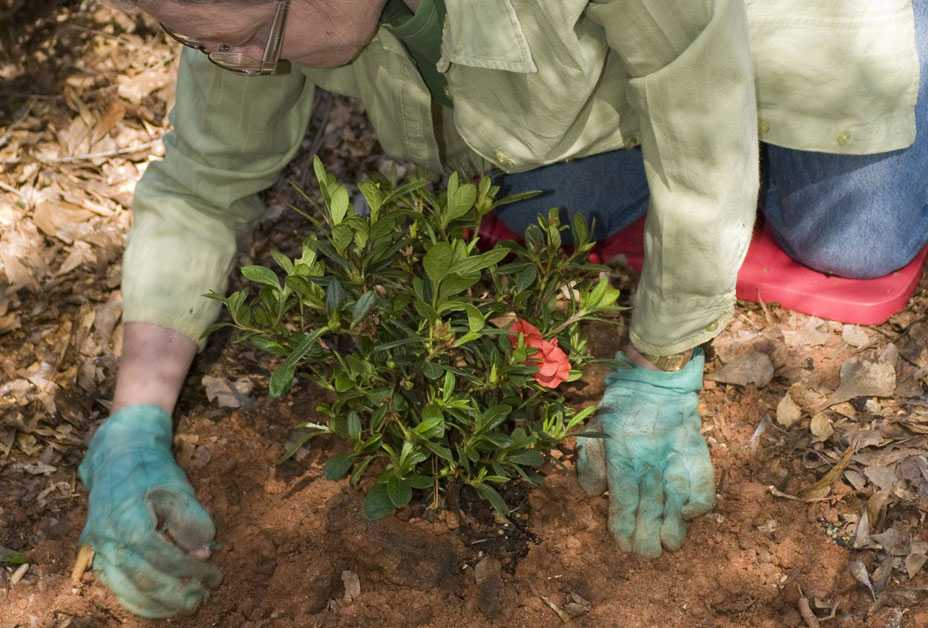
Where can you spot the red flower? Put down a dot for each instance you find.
(553, 364)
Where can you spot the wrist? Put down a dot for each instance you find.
(668, 363)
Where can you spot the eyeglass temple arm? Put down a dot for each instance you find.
(276, 39)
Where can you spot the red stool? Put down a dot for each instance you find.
(770, 275)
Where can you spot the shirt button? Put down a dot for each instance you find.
(763, 127)
(712, 326)
(844, 138)
(632, 141)
(504, 160)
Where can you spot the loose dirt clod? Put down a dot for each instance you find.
(488, 574)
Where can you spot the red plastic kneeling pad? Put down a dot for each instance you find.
(770, 275)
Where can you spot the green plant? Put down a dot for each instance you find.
(443, 361)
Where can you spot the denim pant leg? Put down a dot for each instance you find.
(609, 188)
(855, 216)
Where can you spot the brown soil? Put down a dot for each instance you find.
(288, 535)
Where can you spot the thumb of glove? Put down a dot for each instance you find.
(179, 515)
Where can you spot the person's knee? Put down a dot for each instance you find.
(851, 258)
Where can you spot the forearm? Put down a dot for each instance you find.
(692, 81)
(154, 363)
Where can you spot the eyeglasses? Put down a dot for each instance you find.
(228, 58)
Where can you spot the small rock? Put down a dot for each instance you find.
(577, 605)
(352, 586)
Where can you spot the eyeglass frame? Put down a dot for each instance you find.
(270, 63)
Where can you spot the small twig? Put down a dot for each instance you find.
(128, 150)
(9, 188)
(82, 564)
(805, 611)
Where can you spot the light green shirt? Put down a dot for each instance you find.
(536, 82)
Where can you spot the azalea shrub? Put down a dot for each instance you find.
(448, 364)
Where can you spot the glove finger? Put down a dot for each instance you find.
(138, 577)
(623, 503)
(173, 561)
(591, 463)
(127, 592)
(647, 539)
(701, 479)
(676, 495)
(182, 517)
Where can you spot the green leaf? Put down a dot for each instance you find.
(338, 206)
(399, 491)
(496, 500)
(377, 504)
(525, 278)
(493, 416)
(322, 177)
(342, 235)
(354, 426)
(270, 346)
(11, 557)
(421, 482)
(432, 371)
(461, 199)
(581, 230)
(447, 386)
(362, 306)
(454, 284)
(529, 457)
(283, 261)
(338, 466)
(477, 263)
(282, 379)
(432, 424)
(343, 382)
(437, 261)
(373, 196)
(334, 296)
(475, 320)
(261, 275)
(297, 439)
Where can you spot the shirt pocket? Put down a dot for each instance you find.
(521, 74)
(838, 77)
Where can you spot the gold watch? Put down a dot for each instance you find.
(673, 362)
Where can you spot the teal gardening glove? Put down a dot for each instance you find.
(143, 517)
(653, 461)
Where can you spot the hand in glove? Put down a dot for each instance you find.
(144, 522)
(653, 461)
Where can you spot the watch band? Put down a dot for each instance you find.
(673, 362)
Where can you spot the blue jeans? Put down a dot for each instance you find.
(849, 215)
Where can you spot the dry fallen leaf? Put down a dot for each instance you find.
(788, 411)
(821, 427)
(856, 336)
(861, 378)
(809, 334)
(859, 571)
(754, 368)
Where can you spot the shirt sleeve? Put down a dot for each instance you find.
(232, 136)
(691, 80)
